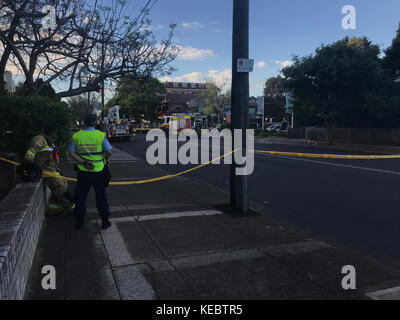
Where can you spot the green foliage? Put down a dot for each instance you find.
(208, 110)
(139, 99)
(391, 61)
(22, 118)
(343, 84)
(44, 90)
(274, 98)
(274, 87)
(209, 99)
(260, 133)
(225, 125)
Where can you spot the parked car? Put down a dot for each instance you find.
(273, 127)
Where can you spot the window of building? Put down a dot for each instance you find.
(193, 85)
(176, 84)
(184, 85)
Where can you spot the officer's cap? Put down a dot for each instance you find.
(90, 120)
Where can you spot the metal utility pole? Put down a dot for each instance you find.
(240, 98)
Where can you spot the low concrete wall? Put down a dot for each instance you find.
(8, 175)
(22, 214)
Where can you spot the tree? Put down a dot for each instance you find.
(139, 99)
(81, 106)
(210, 99)
(24, 117)
(391, 61)
(86, 46)
(274, 88)
(343, 84)
(274, 97)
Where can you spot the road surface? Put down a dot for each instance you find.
(349, 202)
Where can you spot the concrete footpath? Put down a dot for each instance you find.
(179, 240)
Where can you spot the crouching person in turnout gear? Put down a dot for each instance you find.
(92, 151)
(42, 151)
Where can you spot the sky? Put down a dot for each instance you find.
(279, 29)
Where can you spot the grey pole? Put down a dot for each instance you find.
(240, 98)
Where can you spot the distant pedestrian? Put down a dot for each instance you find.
(92, 151)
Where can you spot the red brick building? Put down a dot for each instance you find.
(181, 96)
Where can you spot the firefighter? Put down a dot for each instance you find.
(91, 150)
(42, 151)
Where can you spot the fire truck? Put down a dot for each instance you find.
(116, 127)
(180, 121)
(175, 123)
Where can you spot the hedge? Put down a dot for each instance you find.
(22, 118)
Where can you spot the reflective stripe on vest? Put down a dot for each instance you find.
(89, 146)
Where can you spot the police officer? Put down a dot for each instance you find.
(42, 151)
(92, 151)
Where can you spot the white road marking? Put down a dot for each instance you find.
(386, 294)
(114, 242)
(140, 207)
(131, 283)
(334, 164)
(175, 215)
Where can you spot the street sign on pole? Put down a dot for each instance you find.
(245, 65)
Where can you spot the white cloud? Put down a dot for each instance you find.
(221, 78)
(193, 25)
(190, 53)
(283, 64)
(286, 63)
(261, 64)
(256, 85)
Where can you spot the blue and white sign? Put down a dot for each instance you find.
(245, 65)
(289, 103)
(260, 105)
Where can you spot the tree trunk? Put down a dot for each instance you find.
(3, 64)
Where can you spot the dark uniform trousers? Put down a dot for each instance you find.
(85, 181)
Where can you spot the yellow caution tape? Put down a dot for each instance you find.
(48, 174)
(9, 161)
(326, 156)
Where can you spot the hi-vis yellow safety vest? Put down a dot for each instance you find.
(89, 146)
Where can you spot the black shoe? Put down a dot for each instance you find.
(105, 224)
(79, 224)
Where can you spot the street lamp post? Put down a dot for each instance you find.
(240, 99)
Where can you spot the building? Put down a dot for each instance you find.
(182, 97)
(185, 88)
(9, 82)
(253, 116)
